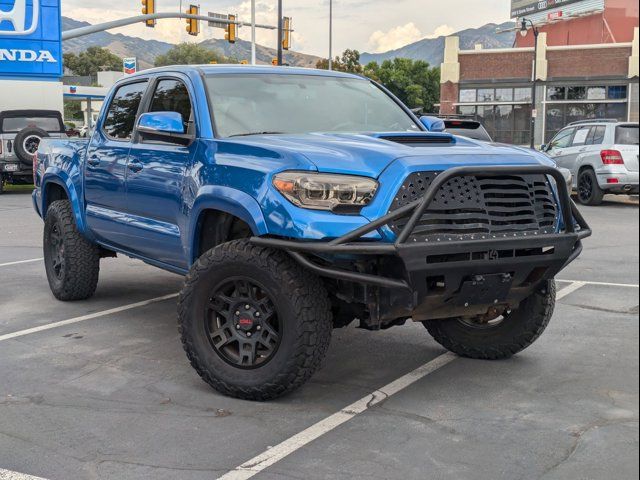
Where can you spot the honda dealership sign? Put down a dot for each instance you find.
(522, 8)
(30, 39)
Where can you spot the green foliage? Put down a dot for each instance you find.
(191, 54)
(414, 82)
(73, 110)
(92, 61)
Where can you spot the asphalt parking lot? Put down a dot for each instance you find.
(102, 388)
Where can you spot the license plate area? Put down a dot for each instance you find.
(485, 289)
(11, 167)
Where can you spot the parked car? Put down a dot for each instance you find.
(602, 156)
(20, 134)
(315, 199)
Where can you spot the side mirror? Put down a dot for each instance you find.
(433, 124)
(543, 147)
(163, 126)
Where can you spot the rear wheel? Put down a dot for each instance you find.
(72, 262)
(589, 192)
(501, 337)
(253, 323)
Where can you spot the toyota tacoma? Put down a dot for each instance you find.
(298, 201)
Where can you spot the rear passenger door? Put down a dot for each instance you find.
(155, 179)
(106, 162)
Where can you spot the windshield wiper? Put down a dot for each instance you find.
(255, 133)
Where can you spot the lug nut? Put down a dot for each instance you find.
(237, 327)
(248, 334)
(257, 314)
(237, 313)
(247, 307)
(258, 327)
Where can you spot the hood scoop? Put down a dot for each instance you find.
(420, 139)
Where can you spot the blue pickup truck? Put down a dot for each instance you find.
(297, 201)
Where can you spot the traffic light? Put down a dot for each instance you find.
(286, 33)
(232, 30)
(149, 7)
(193, 25)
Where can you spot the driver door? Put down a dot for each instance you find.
(560, 145)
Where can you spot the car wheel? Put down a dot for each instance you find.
(72, 263)
(589, 192)
(254, 324)
(501, 337)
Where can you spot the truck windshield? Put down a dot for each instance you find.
(245, 104)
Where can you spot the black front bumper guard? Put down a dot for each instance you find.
(562, 248)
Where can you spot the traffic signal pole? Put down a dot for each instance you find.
(123, 22)
(280, 34)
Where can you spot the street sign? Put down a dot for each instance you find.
(130, 65)
(218, 16)
(30, 39)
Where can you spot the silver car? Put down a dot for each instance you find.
(602, 156)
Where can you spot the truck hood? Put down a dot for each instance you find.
(370, 154)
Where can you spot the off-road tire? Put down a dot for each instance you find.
(77, 278)
(597, 194)
(301, 302)
(23, 155)
(515, 333)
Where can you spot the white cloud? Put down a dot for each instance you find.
(442, 31)
(395, 38)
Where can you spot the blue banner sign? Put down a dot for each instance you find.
(30, 39)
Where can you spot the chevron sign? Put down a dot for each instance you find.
(129, 65)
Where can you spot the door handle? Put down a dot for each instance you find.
(135, 166)
(93, 161)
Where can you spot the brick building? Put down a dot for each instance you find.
(575, 80)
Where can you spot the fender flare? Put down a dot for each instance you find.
(228, 200)
(59, 177)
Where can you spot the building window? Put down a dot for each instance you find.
(560, 115)
(556, 93)
(486, 95)
(617, 92)
(522, 94)
(468, 95)
(505, 123)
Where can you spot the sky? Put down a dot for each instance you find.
(366, 25)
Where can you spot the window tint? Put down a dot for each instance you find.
(563, 139)
(121, 116)
(580, 138)
(172, 96)
(627, 135)
(468, 95)
(15, 124)
(596, 136)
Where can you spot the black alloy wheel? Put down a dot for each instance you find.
(56, 250)
(585, 188)
(242, 323)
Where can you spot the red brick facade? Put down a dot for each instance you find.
(494, 66)
(448, 95)
(580, 63)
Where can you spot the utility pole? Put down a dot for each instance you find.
(534, 113)
(280, 33)
(330, 34)
(253, 32)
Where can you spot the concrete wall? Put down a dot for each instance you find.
(24, 95)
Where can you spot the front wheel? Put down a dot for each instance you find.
(254, 324)
(501, 337)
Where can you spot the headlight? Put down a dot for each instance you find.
(321, 191)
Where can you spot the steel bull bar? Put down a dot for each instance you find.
(415, 254)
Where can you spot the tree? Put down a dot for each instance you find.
(92, 61)
(349, 62)
(191, 54)
(414, 82)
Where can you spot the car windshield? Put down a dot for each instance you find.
(627, 135)
(246, 104)
(15, 124)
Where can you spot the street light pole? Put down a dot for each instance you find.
(253, 32)
(534, 113)
(280, 33)
(330, 34)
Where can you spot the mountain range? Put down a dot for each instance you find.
(428, 49)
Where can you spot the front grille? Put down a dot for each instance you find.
(477, 207)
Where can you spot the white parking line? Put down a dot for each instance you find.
(83, 318)
(277, 453)
(32, 260)
(602, 284)
(569, 290)
(9, 475)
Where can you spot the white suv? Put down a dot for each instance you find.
(602, 155)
